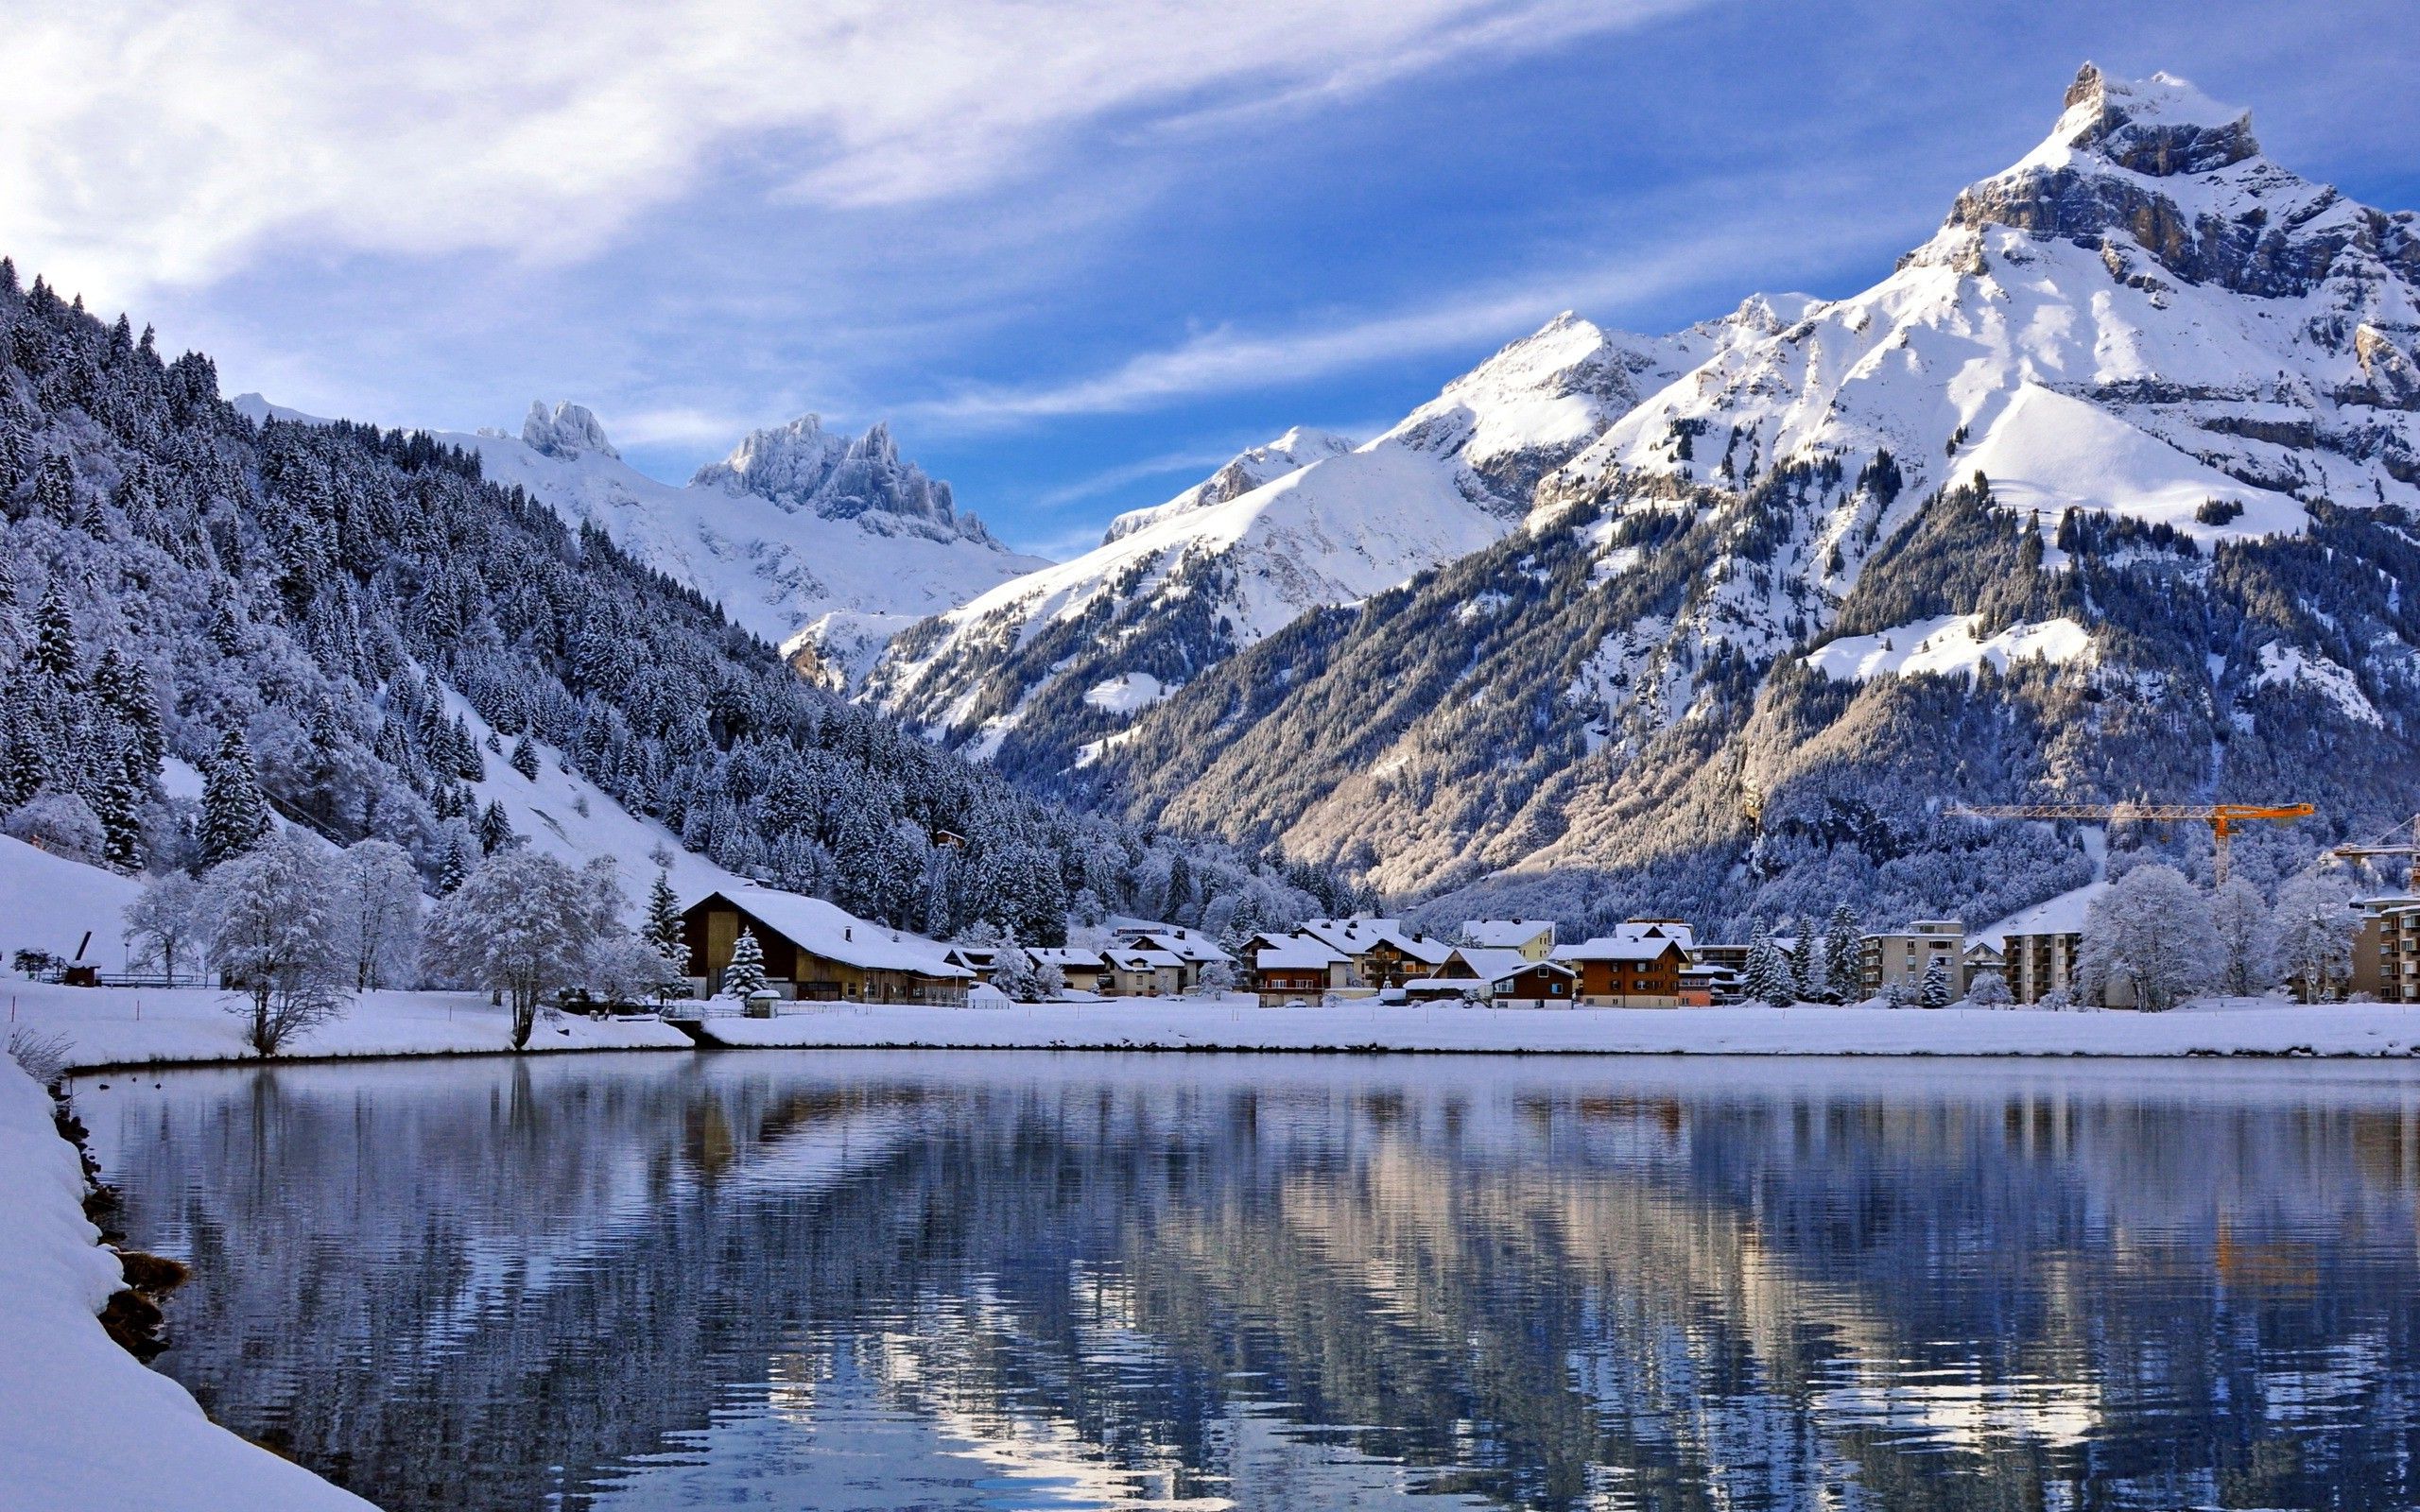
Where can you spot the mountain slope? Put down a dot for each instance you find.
(2106, 490)
(1040, 672)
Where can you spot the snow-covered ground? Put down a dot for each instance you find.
(2231, 1027)
(121, 1026)
(83, 1424)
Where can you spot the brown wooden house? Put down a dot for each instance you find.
(819, 951)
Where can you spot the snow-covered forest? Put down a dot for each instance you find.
(327, 613)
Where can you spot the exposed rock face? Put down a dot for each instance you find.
(569, 430)
(2158, 164)
(802, 466)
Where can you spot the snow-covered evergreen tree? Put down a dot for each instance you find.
(1768, 978)
(1012, 973)
(663, 930)
(1934, 991)
(524, 757)
(744, 976)
(1843, 954)
(1806, 964)
(2315, 924)
(234, 812)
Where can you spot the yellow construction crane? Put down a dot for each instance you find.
(2218, 817)
(2409, 850)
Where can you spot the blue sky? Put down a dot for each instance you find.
(1077, 253)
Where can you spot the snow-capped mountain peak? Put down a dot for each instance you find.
(2157, 127)
(1246, 471)
(801, 466)
(567, 432)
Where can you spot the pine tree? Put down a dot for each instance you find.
(524, 757)
(1769, 976)
(1806, 964)
(1935, 992)
(55, 490)
(234, 812)
(1844, 959)
(117, 801)
(459, 859)
(54, 651)
(663, 930)
(125, 693)
(744, 976)
(495, 828)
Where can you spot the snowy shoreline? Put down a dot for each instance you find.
(82, 1422)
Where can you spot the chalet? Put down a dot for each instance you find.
(1533, 938)
(1081, 969)
(1193, 949)
(1296, 969)
(1507, 977)
(982, 960)
(1383, 952)
(1142, 973)
(1982, 956)
(817, 951)
(1627, 970)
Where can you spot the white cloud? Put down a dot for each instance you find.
(171, 140)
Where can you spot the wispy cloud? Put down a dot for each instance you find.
(1229, 361)
(168, 141)
(1109, 480)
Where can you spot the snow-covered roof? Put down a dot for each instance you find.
(1130, 960)
(1671, 929)
(1501, 933)
(1618, 948)
(1358, 937)
(2063, 915)
(1488, 962)
(1185, 944)
(1066, 957)
(835, 934)
(1299, 953)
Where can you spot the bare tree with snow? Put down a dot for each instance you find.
(2315, 923)
(165, 924)
(2151, 934)
(521, 925)
(378, 897)
(273, 937)
(1989, 989)
(2246, 937)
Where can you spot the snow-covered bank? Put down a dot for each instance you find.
(112, 1027)
(82, 1423)
(2235, 1026)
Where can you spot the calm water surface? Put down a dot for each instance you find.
(892, 1281)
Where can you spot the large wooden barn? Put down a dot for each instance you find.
(818, 951)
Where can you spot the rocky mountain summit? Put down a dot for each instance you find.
(2108, 489)
(802, 466)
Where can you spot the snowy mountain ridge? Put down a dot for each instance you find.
(824, 546)
(2106, 490)
(1019, 673)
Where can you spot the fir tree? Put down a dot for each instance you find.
(54, 651)
(1934, 993)
(1806, 964)
(744, 976)
(117, 801)
(1769, 976)
(1844, 956)
(460, 858)
(662, 931)
(495, 828)
(234, 812)
(125, 693)
(524, 757)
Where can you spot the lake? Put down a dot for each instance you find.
(895, 1280)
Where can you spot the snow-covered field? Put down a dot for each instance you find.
(83, 1424)
(2231, 1027)
(115, 1026)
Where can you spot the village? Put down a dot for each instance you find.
(753, 948)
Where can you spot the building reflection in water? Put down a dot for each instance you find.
(864, 1279)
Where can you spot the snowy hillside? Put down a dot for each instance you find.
(2107, 489)
(795, 526)
(824, 546)
(1303, 523)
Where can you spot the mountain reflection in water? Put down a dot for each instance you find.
(866, 1279)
